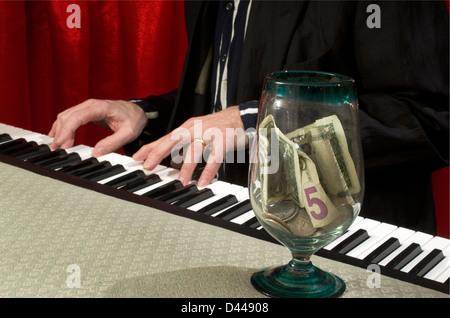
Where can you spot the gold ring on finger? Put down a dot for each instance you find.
(201, 141)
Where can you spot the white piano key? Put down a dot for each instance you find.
(220, 187)
(118, 159)
(241, 193)
(161, 168)
(29, 136)
(169, 173)
(402, 234)
(376, 234)
(25, 134)
(241, 219)
(83, 151)
(418, 237)
(365, 224)
(21, 133)
(441, 267)
(216, 187)
(40, 139)
(442, 278)
(16, 132)
(436, 242)
(135, 165)
(12, 131)
(113, 158)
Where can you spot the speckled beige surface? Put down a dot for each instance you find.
(122, 249)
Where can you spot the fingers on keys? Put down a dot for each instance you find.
(67, 122)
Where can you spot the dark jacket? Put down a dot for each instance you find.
(401, 70)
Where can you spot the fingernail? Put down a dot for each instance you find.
(203, 181)
(98, 152)
(136, 156)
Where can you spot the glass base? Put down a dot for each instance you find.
(297, 281)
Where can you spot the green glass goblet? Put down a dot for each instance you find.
(306, 175)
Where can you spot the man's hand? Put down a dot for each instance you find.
(125, 119)
(216, 133)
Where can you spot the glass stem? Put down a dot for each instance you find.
(300, 260)
(301, 265)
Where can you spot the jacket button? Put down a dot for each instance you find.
(223, 57)
(229, 6)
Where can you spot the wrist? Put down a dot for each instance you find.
(149, 111)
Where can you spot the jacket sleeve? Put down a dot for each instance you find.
(158, 109)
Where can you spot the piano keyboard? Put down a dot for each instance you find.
(401, 253)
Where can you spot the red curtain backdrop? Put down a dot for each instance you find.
(441, 199)
(121, 50)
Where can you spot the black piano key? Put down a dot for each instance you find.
(105, 173)
(195, 198)
(236, 210)
(427, 263)
(406, 256)
(61, 161)
(5, 137)
(253, 223)
(20, 149)
(219, 205)
(165, 188)
(91, 165)
(383, 250)
(177, 194)
(41, 149)
(46, 156)
(127, 178)
(91, 169)
(141, 183)
(11, 144)
(351, 242)
(79, 165)
(11, 151)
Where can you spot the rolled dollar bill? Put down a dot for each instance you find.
(280, 183)
(297, 177)
(327, 144)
